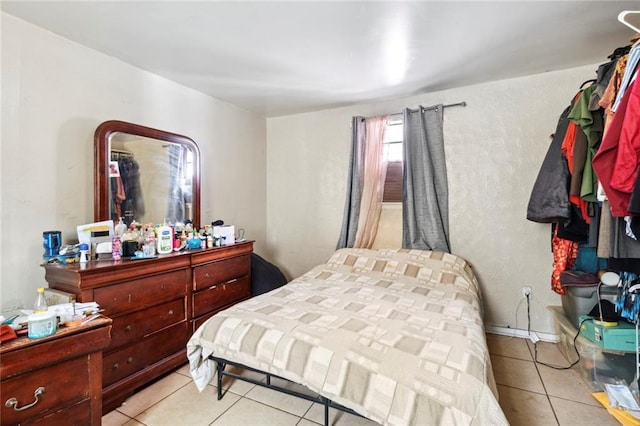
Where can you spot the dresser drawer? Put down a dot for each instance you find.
(78, 415)
(63, 384)
(147, 351)
(140, 293)
(224, 270)
(221, 295)
(132, 327)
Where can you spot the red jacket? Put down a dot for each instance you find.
(616, 162)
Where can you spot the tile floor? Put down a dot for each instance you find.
(530, 394)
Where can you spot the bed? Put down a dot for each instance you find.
(395, 335)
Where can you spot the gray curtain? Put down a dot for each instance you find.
(354, 184)
(425, 204)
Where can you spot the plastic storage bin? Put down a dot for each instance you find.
(597, 365)
(581, 300)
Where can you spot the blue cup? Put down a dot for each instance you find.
(51, 241)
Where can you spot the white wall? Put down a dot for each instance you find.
(494, 149)
(54, 95)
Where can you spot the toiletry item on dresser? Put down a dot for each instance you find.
(42, 325)
(120, 228)
(85, 255)
(165, 239)
(116, 248)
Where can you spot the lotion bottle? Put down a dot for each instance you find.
(120, 228)
(165, 239)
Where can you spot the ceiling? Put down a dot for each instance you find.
(280, 58)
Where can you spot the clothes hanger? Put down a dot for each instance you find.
(624, 17)
(592, 80)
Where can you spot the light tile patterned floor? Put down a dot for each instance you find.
(531, 394)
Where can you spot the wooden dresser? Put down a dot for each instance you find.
(54, 380)
(155, 304)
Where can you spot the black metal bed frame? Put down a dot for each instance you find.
(222, 363)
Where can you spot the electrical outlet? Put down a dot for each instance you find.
(526, 291)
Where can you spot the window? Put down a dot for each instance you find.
(392, 139)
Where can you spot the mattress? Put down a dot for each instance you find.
(395, 335)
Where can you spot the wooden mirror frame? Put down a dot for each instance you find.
(102, 156)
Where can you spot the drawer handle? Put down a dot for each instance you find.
(170, 311)
(115, 366)
(127, 329)
(13, 402)
(130, 360)
(206, 275)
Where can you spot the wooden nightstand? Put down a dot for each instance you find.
(56, 379)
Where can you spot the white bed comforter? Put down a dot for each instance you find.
(395, 335)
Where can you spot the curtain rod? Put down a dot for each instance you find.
(462, 104)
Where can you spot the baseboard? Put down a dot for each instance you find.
(524, 334)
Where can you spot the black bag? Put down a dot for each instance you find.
(265, 276)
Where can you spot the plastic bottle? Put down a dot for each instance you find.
(84, 252)
(165, 239)
(116, 248)
(120, 228)
(40, 304)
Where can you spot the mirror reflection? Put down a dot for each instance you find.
(145, 175)
(149, 180)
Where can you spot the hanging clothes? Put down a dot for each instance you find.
(604, 73)
(117, 197)
(591, 123)
(613, 168)
(565, 253)
(629, 74)
(549, 200)
(586, 149)
(133, 205)
(609, 95)
(574, 148)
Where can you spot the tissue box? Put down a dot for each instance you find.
(227, 234)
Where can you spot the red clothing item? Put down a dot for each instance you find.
(576, 165)
(616, 162)
(624, 176)
(567, 144)
(565, 253)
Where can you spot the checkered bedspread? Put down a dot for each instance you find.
(396, 335)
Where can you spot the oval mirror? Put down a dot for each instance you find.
(145, 175)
